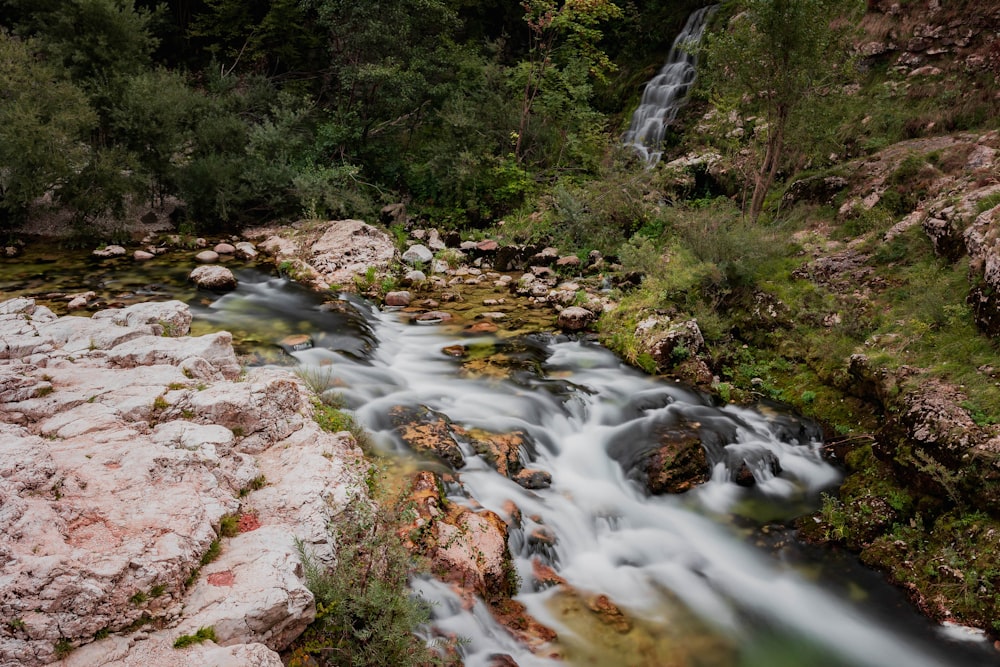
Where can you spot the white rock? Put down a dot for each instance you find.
(418, 254)
(213, 277)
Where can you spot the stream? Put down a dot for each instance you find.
(711, 577)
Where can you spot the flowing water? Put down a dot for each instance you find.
(712, 577)
(667, 92)
(709, 577)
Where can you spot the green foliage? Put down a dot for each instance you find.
(101, 42)
(202, 635)
(63, 648)
(229, 525)
(988, 202)
(214, 550)
(43, 121)
(773, 56)
(138, 598)
(364, 614)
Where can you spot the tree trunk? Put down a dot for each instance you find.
(769, 167)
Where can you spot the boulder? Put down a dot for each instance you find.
(246, 250)
(428, 432)
(418, 254)
(398, 299)
(207, 256)
(669, 343)
(672, 461)
(982, 240)
(213, 278)
(575, 318)
(225, 249)
(466, 548)
(109, 251)
(349, 248)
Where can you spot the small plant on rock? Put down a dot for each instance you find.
(202, 635)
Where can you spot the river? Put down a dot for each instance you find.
(711, 577)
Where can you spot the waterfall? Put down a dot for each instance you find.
(667, 92)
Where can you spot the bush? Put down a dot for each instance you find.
(364, 614)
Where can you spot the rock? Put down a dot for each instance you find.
(532, 478)
(225, 249)
(327, 254)
(207, 256)
(398, 299)
(676, 461)
(142, 255)
(509, 258)
(815, 189)
(669, 343)
(982, 240)
(575, 318)
(434, 241)
(503, 451)
(245, 250)
(296, 342)
(109, 251)
(466, 548)
(111, 500)
(418, 254)
(165, 318)
(486, 246)
(748, 464)
(433, 317)
(77, 301)
(393, 214)
(428, 432)
(414, 277)
(544, 257)
(213, 277)
(481, 328)
(568, 261)
(946, 239)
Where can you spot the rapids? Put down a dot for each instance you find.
(711, 577)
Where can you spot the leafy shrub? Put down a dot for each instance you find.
(364, 614)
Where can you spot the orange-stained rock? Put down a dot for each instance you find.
(427, 431)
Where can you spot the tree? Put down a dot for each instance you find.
(773, 57)
(563, 55)
(44, 121)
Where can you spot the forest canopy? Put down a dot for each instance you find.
(247, 111)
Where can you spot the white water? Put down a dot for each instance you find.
(666, 93)
(664, 560)
(685, 568)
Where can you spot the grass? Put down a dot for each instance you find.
(202, 635)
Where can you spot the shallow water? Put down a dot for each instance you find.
(712, 577)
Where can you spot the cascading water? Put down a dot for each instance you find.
(707, 578)
(687, 570)
(667, 92)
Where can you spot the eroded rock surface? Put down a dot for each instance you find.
(123, 451)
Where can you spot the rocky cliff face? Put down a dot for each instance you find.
(149, 488)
